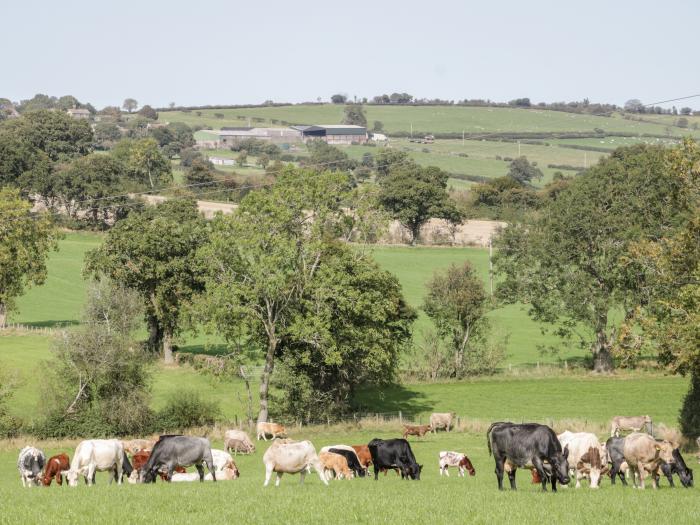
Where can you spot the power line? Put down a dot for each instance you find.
(671, 100)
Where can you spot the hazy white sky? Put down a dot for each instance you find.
(230, 52)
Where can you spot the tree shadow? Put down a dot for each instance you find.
(391, 398)
(52, 323)
(205, 349)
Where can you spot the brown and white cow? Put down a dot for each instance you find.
(292, 458)
(644, 455)
(416, 430)
(441, 420)
(455, 459)
(363, 455)
(270, 429)
(139, 459)
(54, 466)
(630, 423)
(587, 457)
(238, 441)
(336, 464)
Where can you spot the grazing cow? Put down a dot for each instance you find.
(271, 429)
(614, 448)
(527, 444)
(178, 451)
(292, 458)
(394, 453)
(30, 463)
(645, 455)
(54, 466)
(94, 455)
(335, 463)
(222, 460)
(587, 457)
(416, 430)
(352, 460)
(134, 446)
(363, 456)
(441, 420)
(238, 441)
(630, 423)
(455, 459)
(221, 475)
(679, 467)
(140, 459)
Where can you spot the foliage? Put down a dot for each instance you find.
(25, 242)
(186, 409)
(200, 173)
(413, 195)
(326, 157)
(145, 165)
(339, 99)
(566, 262)
(148, 112)
(173, 138)
(130, 104)
(9, 425)
(152, 252)
(354, 115)
(504, 198)
(387, 159)
(378, 126)
(19, 159)
(689, 417)
(523, 172)
(107, 134)
(457, 303)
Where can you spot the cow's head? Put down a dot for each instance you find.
(467, 464)
(147, 476)
(413, 471)
(72, 477)
(560, 466)
(591, 464)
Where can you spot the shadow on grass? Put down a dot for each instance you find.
(392, 398)
(53, 323)
(206, 349)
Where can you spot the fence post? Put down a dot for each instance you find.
(400, 418)
(377, 414)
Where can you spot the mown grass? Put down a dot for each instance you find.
(433, 499)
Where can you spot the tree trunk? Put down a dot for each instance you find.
(602, 358)
(3, 315)
(155, 334)
(168, 347)
(265, 379)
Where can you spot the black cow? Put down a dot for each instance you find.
(394, 453)
(127, 469)
(615, 449)
(178, 451)
(353, 462)
(679, 467)
(527, 444)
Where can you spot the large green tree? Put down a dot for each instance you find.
(153, 252)
(145, 164)
(354, 114)
(566, 261)
(25, 242)
(413, 194)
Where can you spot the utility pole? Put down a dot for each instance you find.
(518, 148)
(462, 137)
(411, 129)
(491, 265)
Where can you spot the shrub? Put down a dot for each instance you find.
(689, 418)
(185, 409)
(219, 115)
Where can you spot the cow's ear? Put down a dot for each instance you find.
(566, 452)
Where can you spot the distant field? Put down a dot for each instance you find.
(429, 119)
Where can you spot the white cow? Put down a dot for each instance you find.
(222, 459)
(441, 420)
(30, 463)
(221, 475)
(95, 455)
(587, 457)
(449, 458)
(292, 458)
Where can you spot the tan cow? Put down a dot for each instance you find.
(587, 457)
(271, 429)
(238, 441)
(644, 455)
(441, 420)
(335, 463)
(292, 458)
(633, 423)
(134, 446)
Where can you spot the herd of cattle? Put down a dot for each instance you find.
(551, 458)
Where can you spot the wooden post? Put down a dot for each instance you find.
(377, 414)
(400, 418)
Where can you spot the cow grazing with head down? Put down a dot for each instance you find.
(336, 464)
(614, 448)
(270, 429)
(292, 458)
(171, 452)
(238, 441)
(30, 463)
(134, 446)
(95, 455)
(678, 467)
(630, 423)
(527, 444)
(645, 455)
(455, 459)
(587, 457)
(363, 455)
(350, 456)
(54, 466)
(394, 453)
(140, 459)
(441, 421)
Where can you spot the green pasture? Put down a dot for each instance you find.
(432, 499)
(428, 119)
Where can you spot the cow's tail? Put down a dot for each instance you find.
(488, 435)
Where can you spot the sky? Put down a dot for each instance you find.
(231, 52)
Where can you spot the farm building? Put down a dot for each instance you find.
(78, 113)
(219, 161)
(334, 134)
(229, 136)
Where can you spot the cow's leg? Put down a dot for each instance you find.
(268, 475)
(91, 474)
(539, 466)
(277, 481)
(200, 471)
(499, 472)
(376, 472)
(302, 475)
(210, 466)
(578, 479)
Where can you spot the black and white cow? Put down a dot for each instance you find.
(679, 467)
(394, 453)
(614, 448)
(351, 457)
(524, 445)
(30, 463)
(178, 451)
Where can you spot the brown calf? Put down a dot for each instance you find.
(139, 459)
(415, 430)
(53, 469)
(336, 463)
